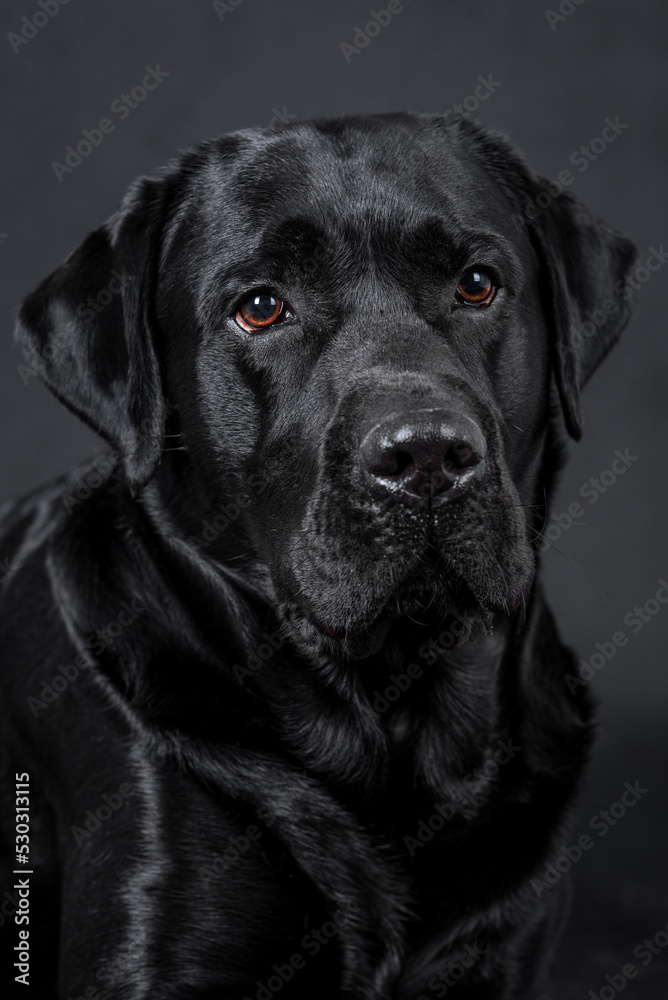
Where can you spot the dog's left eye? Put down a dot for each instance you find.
(475, 288)
(259, 312)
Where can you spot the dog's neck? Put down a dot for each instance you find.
(361, 724)
(209, 659)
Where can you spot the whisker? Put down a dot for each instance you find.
(579, 568)
(552, 592)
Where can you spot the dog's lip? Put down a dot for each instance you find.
(359, 641)
(344, 634)
(367, 633)
(365, 641)
(382, 618)
(331, 631)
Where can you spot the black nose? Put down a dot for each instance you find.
(419, 456)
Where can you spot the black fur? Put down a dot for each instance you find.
(267, 602)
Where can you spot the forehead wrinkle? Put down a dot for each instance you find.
(367, 200)
(307, 167)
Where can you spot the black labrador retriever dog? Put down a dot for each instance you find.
(285, 711)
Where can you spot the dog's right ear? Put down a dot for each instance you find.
(89, 330)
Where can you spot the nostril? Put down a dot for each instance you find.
(391, 462)
(421, 459)
(403, 460)
(425, 459)
(460, 457)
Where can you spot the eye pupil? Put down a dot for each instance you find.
(476, 287)
(259, 312)
(261, 308)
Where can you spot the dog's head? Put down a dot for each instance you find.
(359, 322)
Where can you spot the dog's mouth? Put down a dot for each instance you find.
(456, 615)
(353, 569)
(316, 636)
(331, 631)
(346, 608)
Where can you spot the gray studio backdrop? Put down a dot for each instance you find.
(554, 78)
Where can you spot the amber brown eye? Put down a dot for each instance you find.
(260, 312)
(475, 289)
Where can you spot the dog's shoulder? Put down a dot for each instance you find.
(30, 521)
(42, 533)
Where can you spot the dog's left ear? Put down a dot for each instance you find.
(89, 330)
(585, 266)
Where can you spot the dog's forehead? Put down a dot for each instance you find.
(356, 172)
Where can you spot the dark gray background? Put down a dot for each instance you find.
(606, 59)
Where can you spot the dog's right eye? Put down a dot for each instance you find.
(259, 312)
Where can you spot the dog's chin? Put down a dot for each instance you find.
(317, 637)
(413, 607)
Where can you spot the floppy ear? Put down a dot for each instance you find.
(89, 330)
(585, 266)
